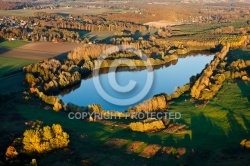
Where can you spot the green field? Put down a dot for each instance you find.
(10, 65)
(11, 44)
(203, 28)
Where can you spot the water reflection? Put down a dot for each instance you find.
(166, 79)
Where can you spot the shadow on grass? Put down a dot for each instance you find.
(9, 70)
(236, 129)
(236, 54)
(246, 123)
(4, 50)
(245, 88)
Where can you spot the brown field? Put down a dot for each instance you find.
(133, 148)
(40, 50)
(162, 23)
(150, 151)
(115, 143)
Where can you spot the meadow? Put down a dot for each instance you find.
(9, 65)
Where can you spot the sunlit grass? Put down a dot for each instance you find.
(12, 44)
(9, 65)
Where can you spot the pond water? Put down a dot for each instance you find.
(166, 79)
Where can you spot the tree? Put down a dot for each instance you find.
(30, 78)
(11, 152)
(40, 140)
(245, 143)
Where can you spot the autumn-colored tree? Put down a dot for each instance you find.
(40, 140)
(147, 125)
(245, 143)
(11, 152)
(30, 78)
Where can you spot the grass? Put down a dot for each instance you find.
(10, 65)
(11, 44)
(224, 119)
(201, 28)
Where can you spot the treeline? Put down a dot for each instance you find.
(213, 76)
(179, 45)
(53, 27)
(89, 53)
(211, 79)
(51, 75)
(5, 5)
(157, 103)
(51, 100)
(40, 34)
(230, 30)
(89, 23)
(208, 41)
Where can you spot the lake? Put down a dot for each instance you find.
(166, 79)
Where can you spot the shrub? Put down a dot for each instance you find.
(40, 140)
(30, 78)
(11, 152)
(245, 143)
(147, 125)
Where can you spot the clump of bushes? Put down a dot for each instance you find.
(51, 100)
(245, 143)
(147, 125)
(11, 152)
(179, 91)
(45, 139)
(157, 103)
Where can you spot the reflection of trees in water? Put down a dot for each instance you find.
(127, 68)
(196, 53)
(69, 89)
(105, 71)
